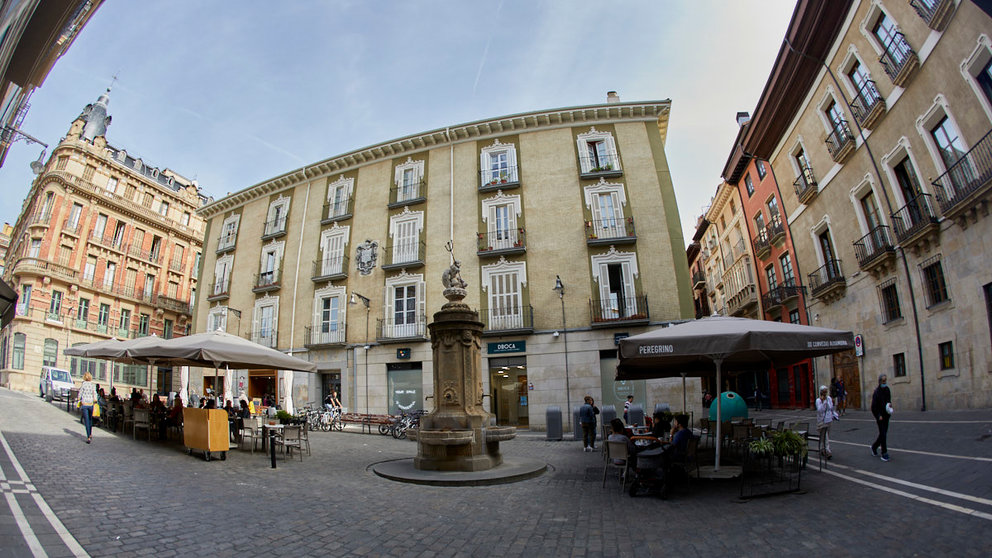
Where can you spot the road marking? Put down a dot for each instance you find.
(968, 457)
(923, 421)
(969, 497)
(22, 522)
(53, 520)
(945, 505)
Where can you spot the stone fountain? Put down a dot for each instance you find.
(457, 435)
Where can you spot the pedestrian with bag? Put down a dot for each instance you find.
(881, 409)
(87, 398)
(825, 415)
(587, 418)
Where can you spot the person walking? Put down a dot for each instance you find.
(824, 416)
(87, 397)
(841, 396)
(881, 409)
(587, 418)
(626, 408)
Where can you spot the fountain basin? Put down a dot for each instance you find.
(500, 433)
(444, 437)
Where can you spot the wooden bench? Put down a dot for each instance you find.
(369, 420)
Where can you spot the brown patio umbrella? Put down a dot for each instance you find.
(702, 347)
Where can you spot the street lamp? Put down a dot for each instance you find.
(365, 301)
(17, 134)
(560, 289)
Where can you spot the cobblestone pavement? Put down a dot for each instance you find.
(121, 496)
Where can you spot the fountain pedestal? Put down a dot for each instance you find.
(456, 435)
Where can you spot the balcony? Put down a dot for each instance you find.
(762, 244)
(805, 186)
(775, 299)
(108, 240)
(738, 250)
(219, 290)
(274, 228)
(410, 193)
(963, 190)
(176, 264)
(744, 301)
(41, 218)
(603, 232)
(698, 280)
(226, 243)
(267, 281)
(388, 331)
(868, 105)
(840, 141)
(632, 310)
(935, 13)
(337, 210)
(507, 321)
(828, 282)
(153, 257)
(69, 227)
(899, 60)
(44, 267)
(505, 178)
(875, 251)
(600, 167)
(916, 223)
(330, 269)
(324, 335)
(408, 255)
(174, 305)
(265, 337)
(502, 243)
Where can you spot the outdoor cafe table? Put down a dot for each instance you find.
(268, 428)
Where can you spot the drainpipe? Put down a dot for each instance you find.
(888, 203)
(451, 191)
(299, 254)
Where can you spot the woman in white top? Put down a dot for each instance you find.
(87, 397)
(824, 416)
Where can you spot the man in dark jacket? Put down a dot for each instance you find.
(587, 418)
(881, 409)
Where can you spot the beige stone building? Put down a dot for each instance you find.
(880, 119)
(727, 258)
(106, 245)
(340, 262)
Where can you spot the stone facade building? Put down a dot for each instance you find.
(105, 246)
(340, 262)
(876, 122)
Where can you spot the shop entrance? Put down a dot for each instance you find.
(262, 383)
(508, 385)
(330, 381)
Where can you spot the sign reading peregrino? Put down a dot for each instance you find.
(655, 349)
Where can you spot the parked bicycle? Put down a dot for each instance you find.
(405, 422)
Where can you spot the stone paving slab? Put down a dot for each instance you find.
(152, 499)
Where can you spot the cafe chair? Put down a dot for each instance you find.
(250, 432)
(142, 419)
(291, 439)
(616, 452)
(128, 417)
(305, 438)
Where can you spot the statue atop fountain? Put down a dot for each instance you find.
(457, 435)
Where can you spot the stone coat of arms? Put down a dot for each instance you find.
(366, 256)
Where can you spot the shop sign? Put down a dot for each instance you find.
(507, 347)
(618, 336)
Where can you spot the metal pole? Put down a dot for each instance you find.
(564, 332)
(367, 363)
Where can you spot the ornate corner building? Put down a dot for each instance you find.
(105, 246)
(340, 262)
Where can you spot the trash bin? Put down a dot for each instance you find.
(553, 418)
(607, 413)
(636, 414)
(662, 408)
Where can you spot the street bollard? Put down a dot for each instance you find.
(272, 446)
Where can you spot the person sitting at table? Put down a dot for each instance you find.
(229, 407)
(676, 450)
(245, 411)
(661, 427)
(174, 417)
(618, 435)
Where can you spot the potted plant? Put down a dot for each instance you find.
(789, 443)
(284, 417)
(761, 447)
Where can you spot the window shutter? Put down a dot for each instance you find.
(628, 289)
(421, 320)
(387, 315)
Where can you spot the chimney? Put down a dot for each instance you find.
(742, 118)
(612, 97)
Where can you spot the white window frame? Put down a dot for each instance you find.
(280, 204)
(592, 136)
(418, 177)
(814, 232)
(332, 261)
(345, 185)
(336, 328)
(875, 9)
(222, 274)
(973, 64)
(390, 329)
(217, 318)
(89, 270)
(405, 250)
(497, 240)
(229, 238)
(163, 208)
(902, 150)
(257, 328)
(937, 111)
(628, 262)
(100, 226)
(111, 185)
(74, 214)
(486, 160)
(499, 316)
(109, 273)
(866, 185)
(275, 250)
(617, 226)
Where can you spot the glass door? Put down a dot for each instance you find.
(509, 390)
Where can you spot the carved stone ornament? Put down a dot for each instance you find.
(366, 256)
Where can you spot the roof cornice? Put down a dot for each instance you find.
(646, 111)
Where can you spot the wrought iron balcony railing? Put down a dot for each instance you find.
(868, 104)
(898, 59)
(226, 242)
(618, 230)
(503, 178)
(407, 194)
(600, 167)
(404, 254)
(266, 281)
(511, 318)
(618, 309)
(330, 268)
(274, 228)
(502, 242)
(914, 218)
(805, 185)
(827, 277)
(873, 246)
(266, 337)
(219, 289)
(330, 333)
(336, 210)
(935, 13)
(840, 141)
(698, 280)
(778, 296)
(968, 180)
(409, 327)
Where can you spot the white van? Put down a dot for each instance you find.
(56, 382)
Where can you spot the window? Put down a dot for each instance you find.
(146, 200)
(143, 324)
(167, 329)
(34, 249)
(499, 164)
(748, 185)
(55, 307)
(408, 179)
(17, 354)
(88, 173)
(948, 141)
(50, 356)
(149, 286)
(46, 206)
(25, 301)
(836, 121)
(111, 185)
(759, 223)
(794, 316)
(125, 322)
(503, 283)
(332, 244)
(328, 319)
(265, 321)
(865, 91)
(933, 281)
(108, 276)
(605, 202)
(172, 291)
(597, 152)
(890, 40)
(184, 220)
(889, 298)
(222, 271)
(771, 277)
(61, 163)
(803, 168)
(339, 197)
(100, 227)
(899, 365)
(83, 312)
(759, 165)
(270, 264)
(163, 208)
(217, 319)
(156, 248)
(103, 318)
(500, 214)
(788, 278)
(404, 306)
(72, 223)
(946, 355)
(772, 205)
(276, 219)
(615, 273)
(90, 269)
(405, 230)
(119, 231)
(229, 232)
(872, 215)
(130, 192)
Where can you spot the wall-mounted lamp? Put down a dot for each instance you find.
(556, 334)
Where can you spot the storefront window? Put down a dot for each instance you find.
(406, 387)
(510, 393)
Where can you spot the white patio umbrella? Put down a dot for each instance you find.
(287, 403)
(184, 383)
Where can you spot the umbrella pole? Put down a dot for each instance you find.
(683, 393)
(719, 417)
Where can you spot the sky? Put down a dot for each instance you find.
(234, 93)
